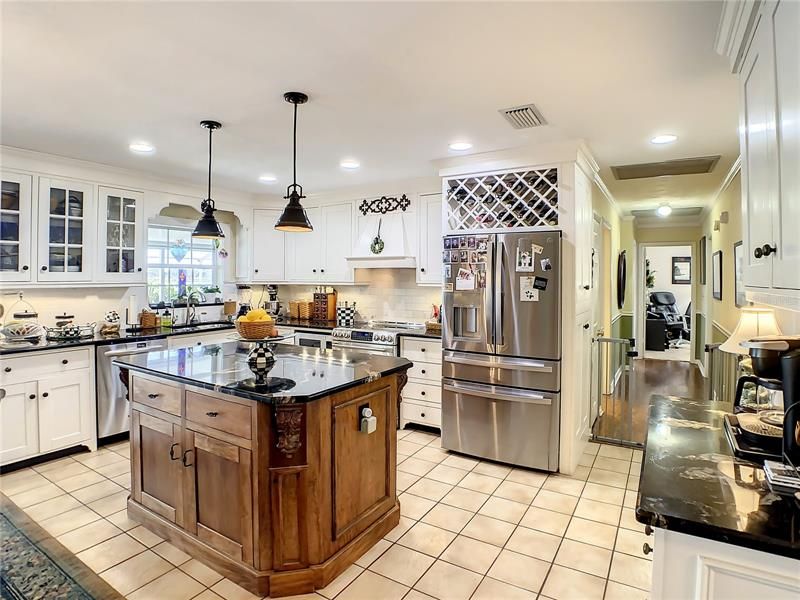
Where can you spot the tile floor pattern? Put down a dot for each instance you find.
(469, 529)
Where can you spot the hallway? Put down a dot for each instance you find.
(625, 411)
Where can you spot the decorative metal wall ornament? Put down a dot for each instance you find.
(384, 205)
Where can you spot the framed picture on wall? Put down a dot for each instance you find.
(681, 270)
(701, 263)
(716, 275)
(738, 286)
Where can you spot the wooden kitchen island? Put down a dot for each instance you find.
(269, 477)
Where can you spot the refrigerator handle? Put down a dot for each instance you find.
(498, 296)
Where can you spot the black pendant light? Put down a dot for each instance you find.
(294, 217)
(207, 226)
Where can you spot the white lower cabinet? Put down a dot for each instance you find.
(201, 339)
(422, 395)
(65, 410)
(19, 422)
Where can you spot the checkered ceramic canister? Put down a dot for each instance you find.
(346, 315)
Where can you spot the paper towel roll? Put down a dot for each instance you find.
(133, 310)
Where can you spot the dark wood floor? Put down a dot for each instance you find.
(625, 411)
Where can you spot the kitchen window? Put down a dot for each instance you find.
(177, 261)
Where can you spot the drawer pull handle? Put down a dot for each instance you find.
(172, 451)
(422, 393)
(153, 396)
(212, 413)
(64, 361)
(45, 395)
(423, 371)
(422, 349)
(422, 415)
(183, 460)
(647, 548)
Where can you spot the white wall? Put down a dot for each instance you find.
(661, 262)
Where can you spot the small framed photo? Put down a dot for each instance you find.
(447, 242)
(473, 256)
(471, 243)
(702, 258)
(716, 275)
(462, 242)
(483, 244)
(681, 270)
(447, 272)
(463, 256)
(446, 256)
(738, 266)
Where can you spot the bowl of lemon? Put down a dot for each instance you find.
(257, 324)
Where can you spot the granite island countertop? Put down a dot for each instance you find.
(299, 374)
(692, 483)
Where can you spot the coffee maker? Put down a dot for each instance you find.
(769, 432)
(272, 306)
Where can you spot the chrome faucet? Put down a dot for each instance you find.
(191, 310)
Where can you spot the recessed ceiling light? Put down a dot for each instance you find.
(349, 163)
(666, 138)
(664, 210)
(460, 146)
(267, 179)
(142, 147)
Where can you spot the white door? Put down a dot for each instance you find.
(338, 226)
(18, 422)
(66, 230)
(268, 246)
(786, 25)
(758, 157)
(304, 260)
(15, 227)
(65, 410)
(429, 257)
(596, 314)
(121, 236)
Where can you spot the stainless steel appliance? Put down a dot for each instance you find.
(313, 339)
(501, 338)
(112, 398)
(377, 337)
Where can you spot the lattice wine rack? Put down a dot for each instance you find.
(503, 201)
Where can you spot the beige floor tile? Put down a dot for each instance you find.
(630, 499)
(174, 555)
(136, 572)
(586, 460)
(505, 510)
(414, 507)
(448, 582)
(417, 595)
(121, 520)
(461, 462)
(173, 585)
(430, 489)
(447, 474)
(580, 473)
(202, 573)
(471, 554)
(405, 480)
(416, 466)
(612, 464)
(632, 483)
(111, 552)
(406, 448)
(638, 455)
(492, 589)
(427, 538)
(50, 508)
(123, 480)
(534, 543)
(54, 465)
(555, 501)
(101, 459)
(584, 557)
(592, 448)
(563, 485)
(631, 542)
(591, 532)
(631, 571)
(465, 499)
(88, 535)
(145, 536)
(110, 504)
(396, 533)
(492, 469)
(480, 483)
(488, 530)
(209, 595)
(628, 520)
(114, 469)
(545, 520)
(371, 555)
(527, 477)
(598, 511)
(231, 591)
(603, 493)
(608, 478)
(371, 586)
(96, 491)
(402, 564)
(421, 437)
(518, 492)
(72, 519)
(20, 481)
(448, 517)
(65, 471)
(615, 452)
(431, 454)
(125, 452)
(519, 570)
(636, 469)
(566, 584)
(76, 482)
(342, 581)
(36, 495)
(618, 591)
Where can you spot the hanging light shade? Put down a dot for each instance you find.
(294, 217)
(208, 227)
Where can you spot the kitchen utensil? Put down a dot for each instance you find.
(70, 332)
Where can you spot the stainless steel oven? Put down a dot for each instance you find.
(312, 339)
(365, 347)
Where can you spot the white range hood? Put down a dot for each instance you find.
(399, 239)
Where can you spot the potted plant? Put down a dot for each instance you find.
(213, 289)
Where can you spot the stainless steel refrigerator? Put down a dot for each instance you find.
(501, 335)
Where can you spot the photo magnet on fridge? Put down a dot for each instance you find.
(462, 242)
(473, 256)
(540, 283)
(545, 263)
(537, 249)
(463, 256)
(454, 256)
(525, 262)
(465, 279)
(482, 279)
(447, 271)
(527, 292)
(471, 243)
(483, 244)
(447, 243)
(447, 287)
(446, 256)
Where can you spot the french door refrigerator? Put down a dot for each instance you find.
(501, 337)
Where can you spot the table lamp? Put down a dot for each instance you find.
(753, 322)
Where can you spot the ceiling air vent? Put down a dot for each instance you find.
(682, 166)
(523, 117)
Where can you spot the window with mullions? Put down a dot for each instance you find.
(176, 260)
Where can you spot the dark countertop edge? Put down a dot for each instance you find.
(303, 324)
(420, 334)
(261, 397)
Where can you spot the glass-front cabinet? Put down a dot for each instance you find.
(15, 227)
(66, 230)
(121, 236)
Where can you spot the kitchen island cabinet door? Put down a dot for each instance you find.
(217, 486)
(156, 465)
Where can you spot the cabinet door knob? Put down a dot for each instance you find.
(422, 393)
(586, 326)
(139, 269)
(422, 349)
(423, 371)
(172, 455)
(44, 268)
(648, 530)
(647, 548)
(767, 249)
(322, 270)
(24, 267)
(313, 270)
(212, 413)
(7, 369)
(422, 269)
(587, 287)
(422, 415)
(45, 395)
(153, 396)
(758, 252)
(32, 397)
(183, 460)
(64, 361)
(256, 270)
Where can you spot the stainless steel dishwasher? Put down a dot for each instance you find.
(112, 397)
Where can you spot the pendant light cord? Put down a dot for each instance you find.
(294, 149)
(210, 133)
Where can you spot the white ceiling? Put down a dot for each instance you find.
(390, 84)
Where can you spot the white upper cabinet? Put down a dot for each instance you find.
(121, 235)
(304, 258)
(319, 256)
(338, 242)
(66, 230)
(268, 250)
(429, 254)
(15, 227)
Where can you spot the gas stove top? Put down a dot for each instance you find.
(378, 333)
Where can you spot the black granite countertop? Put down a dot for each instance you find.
(98, 340)
(306, 323)
(298, 375)
(691, 482)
